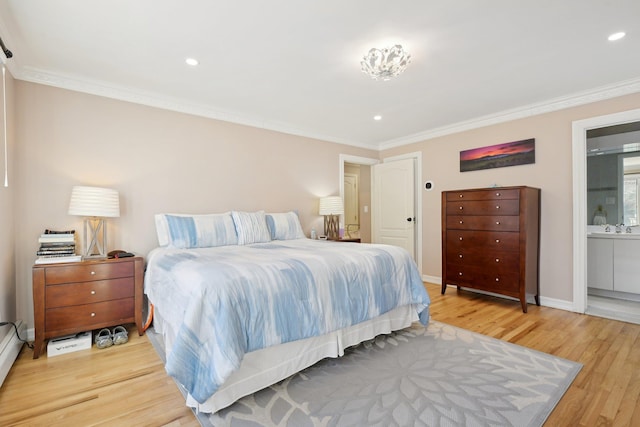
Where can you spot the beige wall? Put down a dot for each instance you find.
(552, 173)
(159, 161)
(162, 161)
(7, 258)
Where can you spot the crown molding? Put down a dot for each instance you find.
(614, 90)
(164, 102)
(157, 100)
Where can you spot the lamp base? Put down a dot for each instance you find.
(331, 227)
(95, 233)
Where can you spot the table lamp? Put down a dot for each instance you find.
(95, 204)
(331, 207)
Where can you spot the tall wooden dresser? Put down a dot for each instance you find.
(491, 241)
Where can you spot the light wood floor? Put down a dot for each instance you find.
(126, 385)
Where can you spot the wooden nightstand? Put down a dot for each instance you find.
(82, 296)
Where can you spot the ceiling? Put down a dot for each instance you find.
(294, 66)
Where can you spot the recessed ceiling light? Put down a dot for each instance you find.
(377, 118)
(191, 61)
(616, 36)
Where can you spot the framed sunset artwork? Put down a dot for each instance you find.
(499, 156)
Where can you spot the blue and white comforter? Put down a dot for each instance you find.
(227, 301)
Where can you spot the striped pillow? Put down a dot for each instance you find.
(251, 227)
(196, 231)
(284, 226)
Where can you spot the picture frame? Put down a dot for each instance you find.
(507, 154)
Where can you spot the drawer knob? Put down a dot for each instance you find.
(460, 274)
(460, 238)
(497, 206)
(497, 222)
(497, 240)
(93, 273)
(497, 279)
(497, 259)
(497, 194)
(460, 208)
(460, 255)
(93, 315)
(461, 221)
(93, 292)
(460, 195)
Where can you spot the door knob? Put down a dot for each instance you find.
(409, 219)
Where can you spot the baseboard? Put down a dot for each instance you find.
(432, 279)
(544, 301)
(9, 348)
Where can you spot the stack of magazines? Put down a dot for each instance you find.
(57, 246)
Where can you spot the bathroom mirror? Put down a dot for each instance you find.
(613, 174)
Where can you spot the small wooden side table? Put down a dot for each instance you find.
(76, 297)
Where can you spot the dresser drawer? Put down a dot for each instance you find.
(497, 280)
(89, 271)
(88, 315)
(495, 194)
(484, 207)
(88, 292)
(488, 259)
(488, 223)
(505, 241)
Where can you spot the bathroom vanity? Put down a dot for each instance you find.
(613, 260)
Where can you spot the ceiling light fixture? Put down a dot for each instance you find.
(386, 63)
(616, 36)
(377, 118)
(191, 61)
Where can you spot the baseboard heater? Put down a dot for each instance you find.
(10, 346)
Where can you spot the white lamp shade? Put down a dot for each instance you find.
(94, 201)
(331, 205)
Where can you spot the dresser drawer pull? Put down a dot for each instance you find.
(460, 238)
(460, 274)
(461, 195)
(497, 240)
(93, 315)
(93, 292)
(497, 222)
(460, 256)
(461, 208)
(93, 273)
(497, 206)
(497, 259)
(497, 279)
(498, 194)
(461, 222)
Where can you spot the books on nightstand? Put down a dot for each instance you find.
(57, 247)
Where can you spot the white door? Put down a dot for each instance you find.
(351, 203)
(393, 204)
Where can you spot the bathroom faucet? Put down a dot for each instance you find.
(619, 228)
(628, 229)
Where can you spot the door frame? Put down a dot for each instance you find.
(579, 159)
(417, 156)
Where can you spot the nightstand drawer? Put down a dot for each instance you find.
(89, 271)
(88, 315)
(88, 292)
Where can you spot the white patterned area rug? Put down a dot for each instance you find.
(434, 376)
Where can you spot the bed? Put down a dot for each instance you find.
(244, 300)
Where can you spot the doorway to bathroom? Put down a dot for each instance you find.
(606, 163)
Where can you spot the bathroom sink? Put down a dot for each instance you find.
(614, 235)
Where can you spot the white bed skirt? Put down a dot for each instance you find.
(262, 368)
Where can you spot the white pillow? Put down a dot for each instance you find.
(251, 227)
(196, 231)
(284, 226)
